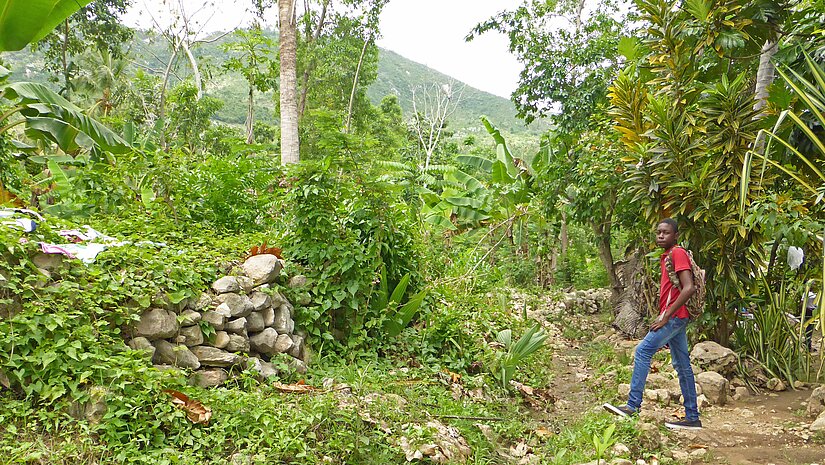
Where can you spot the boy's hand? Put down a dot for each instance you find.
(659, 323)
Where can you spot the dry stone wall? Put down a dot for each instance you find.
(247, 321)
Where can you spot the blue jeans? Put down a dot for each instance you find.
(672, 333)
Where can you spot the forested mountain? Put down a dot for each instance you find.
(396, 75)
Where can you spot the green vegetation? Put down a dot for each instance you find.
(434, 267)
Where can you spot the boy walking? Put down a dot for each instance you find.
(668, 329)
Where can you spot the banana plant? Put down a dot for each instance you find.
(48, 117)
(26, 21)
(398, 315)
(507, 362)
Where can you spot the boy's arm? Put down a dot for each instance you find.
(686, 283)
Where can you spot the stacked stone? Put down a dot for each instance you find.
(251, 324)
(587, 301)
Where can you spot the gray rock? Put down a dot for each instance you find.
(246, 284)
(278, 299)
(297, 366)
(239, 305)
(262, 268)
(226, 284)
(816, 403)
(288, 306)
(142, 344)
(269, 316)
(741, 393)
(283, 343)
(264, 342)
(220, 340)
(192, 335)
(157, 323)
(237, 343)
(177, 355)
(297, 349)
(208, 378)
(714, 387)
(214, 357)
(283, 322)
(237, 326)
(265, 369)
(255, 322)
(298, 280)
(190, 318)
(48, 261)
(203, 302)
(92, 409)
(215, 319)
(260, 301)
(819, 423)
(224, 310)
(710, 356)
(776, 384)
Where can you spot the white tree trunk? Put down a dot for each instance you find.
(765, 74)
(250, 116)
(289, 83)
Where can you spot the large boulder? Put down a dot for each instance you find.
(238, 304)
(264, 369)
(264, 342)
(255, 322)
(819, 423)
(262, 268)
(237, 343)
(214, 318)
(260, 301)
(237, 326)
(177, 355)
(142, 344)
(226, 284)
(710, 356)
(208, 378)
(282, 322)
(714, 387)
(816, 403)
(192, 336)
(157, 323)
(283, 343)
(214, 357)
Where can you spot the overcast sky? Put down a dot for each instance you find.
(427, 31)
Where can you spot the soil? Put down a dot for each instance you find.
(764, 428)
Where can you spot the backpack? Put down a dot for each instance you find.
(696, 303)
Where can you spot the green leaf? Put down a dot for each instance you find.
(400, 289)
(41, 102)
(26, 21)
(476, 161)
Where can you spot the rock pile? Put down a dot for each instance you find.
(589, 301)
(247, 323)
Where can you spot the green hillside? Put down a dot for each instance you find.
(396, 75)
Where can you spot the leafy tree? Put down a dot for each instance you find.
(189, 117)
(569, 56)
(96, 25)
(685, 111)
(254, 61)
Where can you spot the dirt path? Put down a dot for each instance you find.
(766, 428)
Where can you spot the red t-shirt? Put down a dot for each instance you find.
(668, 293)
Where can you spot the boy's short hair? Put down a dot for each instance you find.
(672, 223)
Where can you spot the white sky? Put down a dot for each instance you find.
(430, 32)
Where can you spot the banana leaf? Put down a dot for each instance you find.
(51, 117)
(26, 21)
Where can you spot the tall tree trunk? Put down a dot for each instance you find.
(765, 74)
(764, 78)
(164, 84)
(289, 98)
(603, 232)
(355, 85)
(195, 70)
(64, 55)
(250, 116)
(310, 66)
